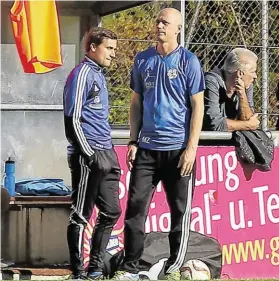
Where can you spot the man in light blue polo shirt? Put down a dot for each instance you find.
(166, 118)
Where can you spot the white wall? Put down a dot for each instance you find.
(34, 137)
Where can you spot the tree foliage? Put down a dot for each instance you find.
(218, 27)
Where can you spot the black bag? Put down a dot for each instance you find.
(156, 251)
(200, 247)
(255, 148)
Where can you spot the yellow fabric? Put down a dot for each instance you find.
(36, 30)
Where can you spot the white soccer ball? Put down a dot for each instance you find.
(195, 270)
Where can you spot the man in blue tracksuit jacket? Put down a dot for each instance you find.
(94, 166)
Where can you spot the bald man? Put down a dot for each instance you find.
(166, 116)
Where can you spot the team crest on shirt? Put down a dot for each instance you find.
(172, 73)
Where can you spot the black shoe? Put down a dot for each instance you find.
(81, 275)
(95, 276)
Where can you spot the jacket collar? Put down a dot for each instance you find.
(96, 66)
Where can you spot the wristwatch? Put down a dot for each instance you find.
(135, 143)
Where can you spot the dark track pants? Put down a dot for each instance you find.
(92, 186)
(149, 168)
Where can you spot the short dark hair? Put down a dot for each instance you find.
(96, 35)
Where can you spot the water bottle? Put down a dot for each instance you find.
(9, 177)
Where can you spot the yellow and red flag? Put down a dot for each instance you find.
(36, 31)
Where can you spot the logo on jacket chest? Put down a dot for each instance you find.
(94, 96)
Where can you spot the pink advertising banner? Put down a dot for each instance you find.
(236, 205)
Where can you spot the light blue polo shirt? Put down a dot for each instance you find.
(166, 85)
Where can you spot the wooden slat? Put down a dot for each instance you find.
(41, 200)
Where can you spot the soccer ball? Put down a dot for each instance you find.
(195, 270)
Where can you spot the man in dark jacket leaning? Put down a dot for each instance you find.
(228, 97)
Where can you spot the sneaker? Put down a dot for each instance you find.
(175, 275)
(95, 276)
(124, 275)
(80, 275)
